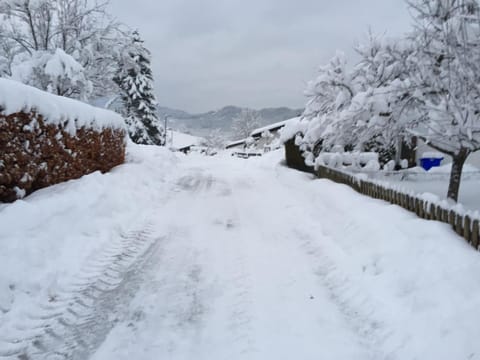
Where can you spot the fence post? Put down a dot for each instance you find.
(475, 234)
(414, 203)
(432, 212)
(445, 215)
(439, 213)
(459, 225)
(466, 229)
(451, 219)
(418, 206)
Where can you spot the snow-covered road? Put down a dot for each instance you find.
(224, 258)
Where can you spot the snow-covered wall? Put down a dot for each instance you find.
(46, 139)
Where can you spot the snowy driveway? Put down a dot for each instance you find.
(245, 259)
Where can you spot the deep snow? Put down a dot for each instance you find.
(191, 257)
(16, 97)
(436, 182)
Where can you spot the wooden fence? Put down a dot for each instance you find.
(294, 157)
(463, 224)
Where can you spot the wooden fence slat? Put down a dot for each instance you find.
(467, 234)
(451, 219)
(459, 224)
(475, 234)
(445, 215)
(439, 213)
(432, 215)
(418, 207)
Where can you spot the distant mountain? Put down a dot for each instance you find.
(202, 124)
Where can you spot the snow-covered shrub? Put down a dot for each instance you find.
(389, 166)
(353, 160)
(371, 165)
(46, 139)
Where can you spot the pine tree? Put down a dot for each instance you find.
(135, 80)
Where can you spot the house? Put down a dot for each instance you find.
(261, 138)
(182, 142)
(239, 144)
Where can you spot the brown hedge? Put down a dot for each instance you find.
(35, 154)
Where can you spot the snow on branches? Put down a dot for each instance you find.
(424, 84)
(135, 80)
(77, 37)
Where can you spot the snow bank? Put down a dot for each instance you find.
(48, 237)
(16, 97)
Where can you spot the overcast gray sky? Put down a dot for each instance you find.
(255, 53)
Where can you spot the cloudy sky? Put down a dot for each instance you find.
(255, 53)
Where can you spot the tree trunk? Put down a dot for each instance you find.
(456, 174)
(409, 152)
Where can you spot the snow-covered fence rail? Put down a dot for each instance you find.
(46, 139)
(465, 224)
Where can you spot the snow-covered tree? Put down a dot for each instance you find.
(382, 111)
(58, 73)
(424, 85)
(447, 78)
(33, 29)
(215, 139)
(329, 94)
(135, 80)
(247, 121)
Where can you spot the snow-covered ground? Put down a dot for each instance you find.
(191, 257)
(435, 181)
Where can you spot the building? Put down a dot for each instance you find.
(262, 138)
(182, 142)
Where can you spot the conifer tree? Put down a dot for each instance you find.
(135, 80)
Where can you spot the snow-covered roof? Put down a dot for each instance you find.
(258, 132)
(181, 140)
(16, 97)
(236, 143)
(272, 127)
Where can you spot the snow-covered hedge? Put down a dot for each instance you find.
(46, 139)
(356, 160)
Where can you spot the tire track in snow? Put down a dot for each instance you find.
(74, 322)
(235, 314)
(354, 303)
(240, 318)
(349, 298)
